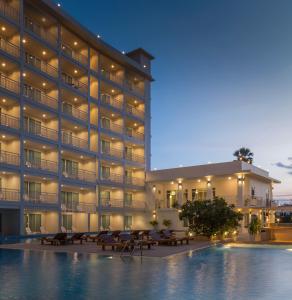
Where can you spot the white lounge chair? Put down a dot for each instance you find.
(63, 229)
(28, 231)
(43, 230)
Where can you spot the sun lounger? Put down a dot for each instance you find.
(155, 237)
(77, 237)
(95, 238)
(170, 235)
(110, 241)
(58, 239)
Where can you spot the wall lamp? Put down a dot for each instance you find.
(154, 188)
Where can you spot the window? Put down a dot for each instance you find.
(33, 221)
(33, 126)
(252, 191)
(128, 152)
(32, 93)
(214, 192)
(105, 172)
(69, 167)
(32, 158)
(67, 108)
(128, 199)
(70, 200)
(186, 195)
(105, 98)
(171, 199)
(128, 221)
(105, 123)
(105, 197)
(129, 131)
(32, 190)
(67, 221)
(194, 194)
(202, 194)
(105, 222)
(32, 60)
(105, 146)
(128, 173)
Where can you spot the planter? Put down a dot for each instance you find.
(255, 237)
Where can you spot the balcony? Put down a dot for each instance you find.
(74, 112)
(111, 203)
(42, 164)
(79, 207)
(135, 204)
(41, 65)
(9, 195)
(41, 198)
(135, 158)
(9, 121)
(80, 58)
(114, 152)
(74, 83)
(40, 31)
(254, 201)
(39, 96)
(111, 101)
(134, 181)
(112, 76)
(111, 126)
(135, 134)
(9, 84)
(9, 158)
(131, 110)
(80, 174)
(9, 11)
(133, 88)
(41, 131)
(116, 178)
(8, 47)
(69, 139)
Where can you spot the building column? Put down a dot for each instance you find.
(240, 191)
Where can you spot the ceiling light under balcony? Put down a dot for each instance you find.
(135, 101)
(75, 127)
(75, 99)
(113, 115)
(144, 66)
(3, 100)
(23, 74)
(112, 66)
(3, 136)
(44, 147)
(44, 178)
(44, 115)
(44, 84)
(4, 173)
(24, 41)
(81, 156)
(24, 108)
(24, 142)
(3, 28)
(135, 124)
(44, 19)
(75, 71)
(113, 91)
(3, 64)
(44, 52)
(229, 178)
(75, 43)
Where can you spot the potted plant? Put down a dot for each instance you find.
(254, 229)
(154, 223)
(166, 223)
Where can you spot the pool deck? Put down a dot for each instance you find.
(90, 247)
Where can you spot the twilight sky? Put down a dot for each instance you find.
(223, 74)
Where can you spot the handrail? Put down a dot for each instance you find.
(73, 54)
(136, 204)
(133, 88)
(113, 152)
(9, 11)
(134, 180)
(75, 83)
(41, 65)
(135, 157)
(76, 112)
(135, 134)
(135, 111)
(9, 84)
(112, 177)
(112, 202)
(36, 28)
(81, 175)
(40, 197)
(79, 207)
(75, 141)
(109, 100)
(112, 127)
(9, 194)
(109, 75)
(39, 96)
(42, 164)
(9, 121)
(9, 158)
(9, 47)
(42, 131)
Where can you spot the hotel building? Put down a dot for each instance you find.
(247, 187)
(74, 122)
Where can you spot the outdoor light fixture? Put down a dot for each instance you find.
(3, 28)
(154, 188)
(180, 186)
(240, 179)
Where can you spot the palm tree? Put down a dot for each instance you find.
(244, 154)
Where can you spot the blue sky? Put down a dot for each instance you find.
(223, 74)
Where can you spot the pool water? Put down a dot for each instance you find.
(216, 273)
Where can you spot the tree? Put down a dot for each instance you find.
(254, 226)
(154, 223)
(244, 154)
(210, 217)
(166, 223)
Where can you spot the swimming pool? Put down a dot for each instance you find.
(216, 273)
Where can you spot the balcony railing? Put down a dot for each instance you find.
(75, 112)
(79, 207)
(9, 47)
(9, 121)
(75, 55)
(109, 100)
(114, 152)
(9, 11)
(131, 110)
(111, 203)
(134, 181)
(39, 96)
(40, 31)
(41, 65)
(42, 164)
(133, 87)
(135, 204)
(254, 201)
(9, 158)
(9, 195)
(135, 134)
(112, 76)
(74, 83)
(112, 127)
(41, 198)
(69, 139)
(135, 158)
(118, 178)
(80, 174)
(42, 131)
(9, 84)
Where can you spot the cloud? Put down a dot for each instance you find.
(281, 165)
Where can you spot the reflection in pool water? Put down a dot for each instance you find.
(216, 273)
